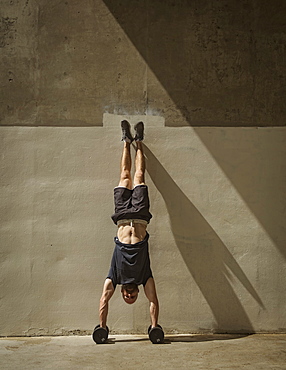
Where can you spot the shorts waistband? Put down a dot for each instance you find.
(132, 221)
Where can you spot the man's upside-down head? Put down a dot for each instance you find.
(129, 292)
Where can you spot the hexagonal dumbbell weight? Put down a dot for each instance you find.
(100, 334)
(156, 334)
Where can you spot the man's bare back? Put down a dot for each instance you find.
(131, 231)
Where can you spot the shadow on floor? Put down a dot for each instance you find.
(185, 338)
(203, 337)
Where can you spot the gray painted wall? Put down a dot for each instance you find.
(208, 80)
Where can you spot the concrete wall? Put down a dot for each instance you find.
(208, 80)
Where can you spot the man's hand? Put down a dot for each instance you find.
(107, 293)
(150, 292)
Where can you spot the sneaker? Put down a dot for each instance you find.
(139, 129)
(126, 134)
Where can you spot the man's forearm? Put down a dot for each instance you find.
(154, 313)
(103, 312)
(107, 293)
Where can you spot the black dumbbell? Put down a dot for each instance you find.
(156, 334)
(100, 334)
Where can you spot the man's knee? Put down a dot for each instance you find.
(139, 178)
(125, 179)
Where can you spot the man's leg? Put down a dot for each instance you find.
(139, 176)
(125, 167)
(140, 197)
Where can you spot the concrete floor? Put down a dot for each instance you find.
(267, 351)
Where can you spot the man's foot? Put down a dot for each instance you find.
(126, 134)
(139, 129)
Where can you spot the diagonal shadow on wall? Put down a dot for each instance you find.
(254, 162)
(221, 63)
(207, 258)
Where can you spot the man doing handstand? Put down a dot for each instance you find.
(130, 264)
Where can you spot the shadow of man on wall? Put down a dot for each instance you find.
(207, 258)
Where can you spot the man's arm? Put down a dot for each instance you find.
(150, 292)
(107, 293)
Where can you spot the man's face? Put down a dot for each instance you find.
(128, 296)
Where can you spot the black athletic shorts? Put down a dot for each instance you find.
(131, 204)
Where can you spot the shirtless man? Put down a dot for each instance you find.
(130, 264)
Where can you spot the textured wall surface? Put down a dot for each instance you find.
(203, 63)
(208, 79)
